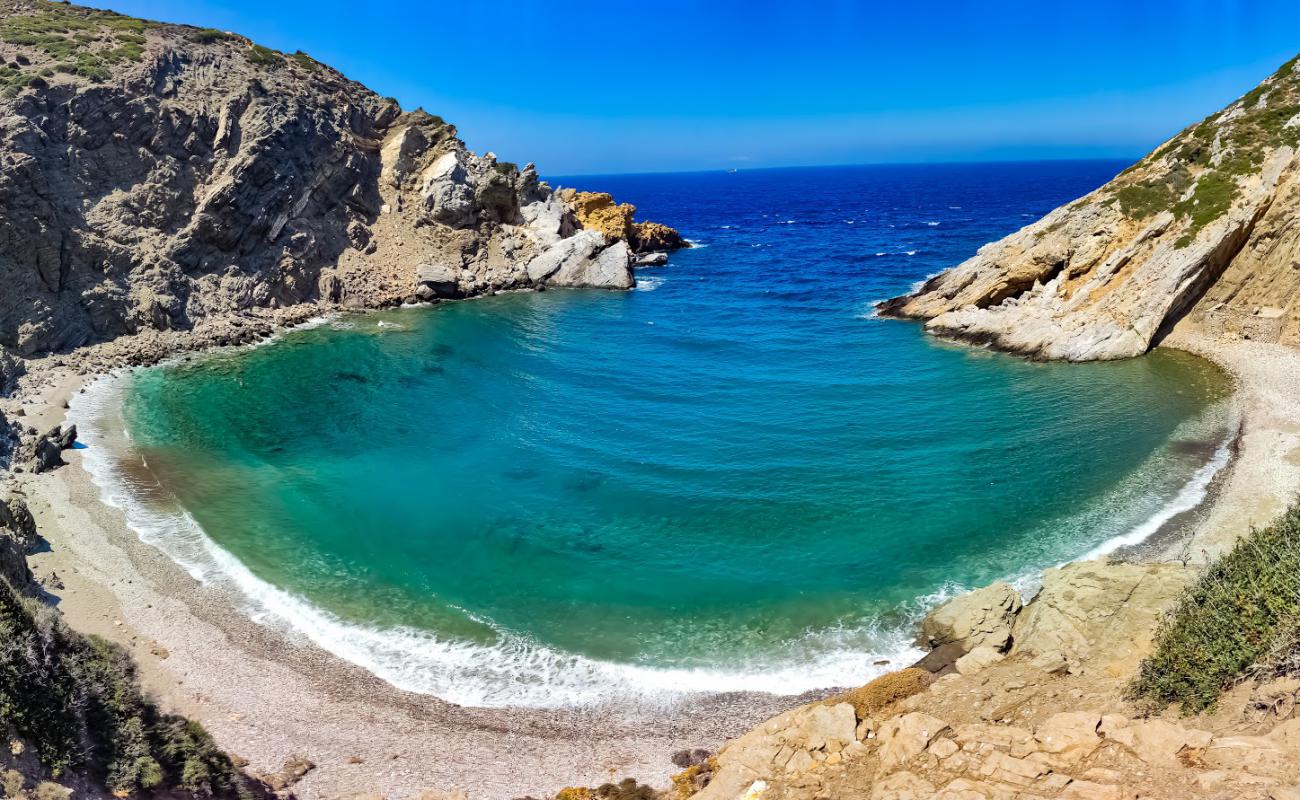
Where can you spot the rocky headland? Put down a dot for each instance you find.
(1203, 228)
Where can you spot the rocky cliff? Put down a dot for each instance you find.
(154, 175)
(1205, 228)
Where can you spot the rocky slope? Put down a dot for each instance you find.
(1206, 227)
(155, 175)
(1028, 709)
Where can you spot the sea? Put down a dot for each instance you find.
(733, 478)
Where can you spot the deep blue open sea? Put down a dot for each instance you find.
(734, 477)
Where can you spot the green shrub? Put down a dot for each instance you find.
(210, 35)
(77, 701)
(1212, 198)
(265, 56)
(1241, 613)
(303, 60)
(1141, 200)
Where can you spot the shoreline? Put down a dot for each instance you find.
(267, 695)
(279, 697)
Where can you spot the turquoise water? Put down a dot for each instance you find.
(732, 478)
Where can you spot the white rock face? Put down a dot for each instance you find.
(448, 192)
(584, 260)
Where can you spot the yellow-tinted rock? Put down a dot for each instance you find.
(597, 211)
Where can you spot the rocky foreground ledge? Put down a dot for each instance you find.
(1019, 702)
(1204, 227)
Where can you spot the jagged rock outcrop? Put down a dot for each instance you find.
(162, 175)
(13, 561)
(18, 538)
(1206, 227)
(598, 211)
(45, 452)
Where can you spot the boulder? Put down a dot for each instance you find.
(647, 236)
(436, 280)
(584, 260)
(656, 259)
(17, 521)
(448, 191)
(45, 452)
(978, 660)
(983, 617)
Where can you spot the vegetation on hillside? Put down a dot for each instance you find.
(76, 701)
(88, 42)
(78, 41)
(1241, 618)
(1210, 157)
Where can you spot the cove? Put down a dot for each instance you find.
(731, 478)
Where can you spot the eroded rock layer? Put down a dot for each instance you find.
(1204, 228)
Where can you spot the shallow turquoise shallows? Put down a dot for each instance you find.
(732, 478)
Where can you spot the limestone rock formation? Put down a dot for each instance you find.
(790, 743)
(172, 175)
(1101, 611)
(1205, 227)
(975, 619)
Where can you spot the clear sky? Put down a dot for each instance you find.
(600, 87)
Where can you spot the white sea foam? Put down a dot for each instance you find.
(648, 284)
(1188, 498)
(933, 223)
(514, 670)
(695, 243)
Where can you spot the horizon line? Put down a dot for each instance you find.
(939, 163)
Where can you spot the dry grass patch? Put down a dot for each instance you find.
(884, 691)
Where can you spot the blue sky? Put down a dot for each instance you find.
(601, 87)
